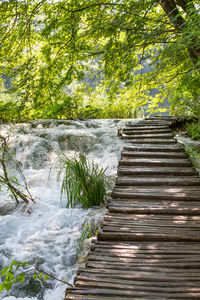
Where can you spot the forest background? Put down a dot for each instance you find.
(79, 59)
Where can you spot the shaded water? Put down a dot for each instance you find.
(49, 235)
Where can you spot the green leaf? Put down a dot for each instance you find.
(4, 271)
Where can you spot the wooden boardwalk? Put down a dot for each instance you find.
(149, 243)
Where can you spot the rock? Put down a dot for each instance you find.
(7, 206)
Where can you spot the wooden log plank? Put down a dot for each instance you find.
(175, 181)
(152, 252)
(155, 210)
(150, 141)
(134, 266)
(96, 297)
(148, 223)
(155, 148)
(164, 233)
(151, 203)
(106, 248)
(147, 136)
(102, 284)
(132, 131)
(156, 194)
(159, 162)
(142, 259)
(193, 189)
(150, 123)
(153, 171)
(142, 273)
(154, 204)
(151, 222)
(116, 279)
(140, 236)
(179, 218)
(148, 245)
(152, 154)
(158, 117)
(129, 294)
(144, 127)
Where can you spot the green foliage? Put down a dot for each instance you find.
(194, 154)
(84, 182)
(10, 275)
(62, 56)
(89, 229)
(193, 130)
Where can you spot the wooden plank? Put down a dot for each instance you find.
(143, 229)
(155, 148)
(130, 130)
(145, 126)
(103, 284)
(138, 252)
(130, 294)
(151, 222)
(143, 259)
(161, 117)
(145, 245)
(158, 210)
(147, 136)
(149, 181)
(114, 279)
(149, 141)
(142, 171)
(151, 123)
(160, 189)
(151, 162)
(165, 194)
(140, 126)
(96, 297)
(189, 269)
(142, 273)
(140, 236)
(176, 219)
(153, 154)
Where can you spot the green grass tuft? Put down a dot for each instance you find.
(83, 183)
(193, 130)
(193, 153)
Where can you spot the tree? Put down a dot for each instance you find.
(17, 191)
(48, 45)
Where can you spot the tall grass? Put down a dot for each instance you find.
(193, 130)
(83, 183)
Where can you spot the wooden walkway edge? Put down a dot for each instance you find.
(149, 243)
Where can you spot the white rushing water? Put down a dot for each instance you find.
(48, 235)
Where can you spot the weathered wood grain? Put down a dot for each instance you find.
(148, 244)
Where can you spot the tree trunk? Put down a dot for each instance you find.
(171, 9)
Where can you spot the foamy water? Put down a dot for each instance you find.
(48, 236)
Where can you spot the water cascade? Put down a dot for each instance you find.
(48, 236)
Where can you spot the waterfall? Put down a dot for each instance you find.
(48, 236)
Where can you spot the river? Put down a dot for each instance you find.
(48, 236)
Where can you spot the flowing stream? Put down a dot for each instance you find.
(48, 236)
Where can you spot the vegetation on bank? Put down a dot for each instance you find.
(17, 271)
(84, 183)
(194, 154)
(193, 130)
(90, 59)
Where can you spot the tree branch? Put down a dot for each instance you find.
(92, 5)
